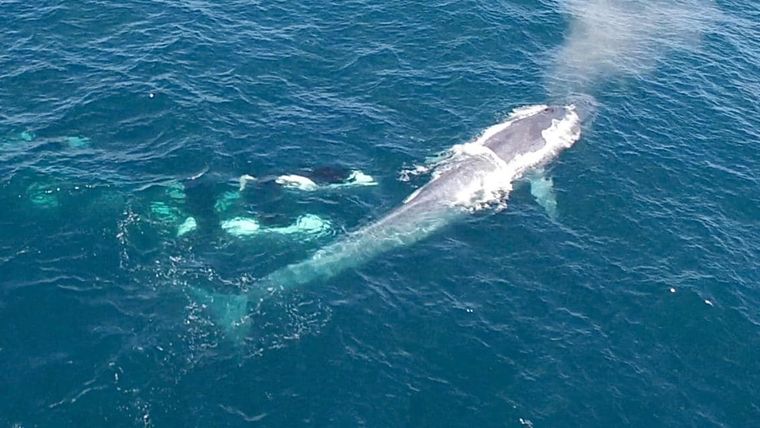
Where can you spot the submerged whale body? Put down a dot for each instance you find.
(470, 177)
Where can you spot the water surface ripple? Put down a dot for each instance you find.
(638, 306)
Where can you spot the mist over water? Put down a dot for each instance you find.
(609, 39)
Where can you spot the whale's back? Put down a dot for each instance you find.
(524, 135)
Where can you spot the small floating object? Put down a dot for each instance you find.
(707, 302)
(77, 142)
(151, 95)
(672, 290)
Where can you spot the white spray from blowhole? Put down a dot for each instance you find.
(609, 39)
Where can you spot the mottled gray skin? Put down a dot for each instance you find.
(430, 208)
(524, 135)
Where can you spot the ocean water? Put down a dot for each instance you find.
(637, 305)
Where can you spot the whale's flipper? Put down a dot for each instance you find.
(228, 311)
(542, 188)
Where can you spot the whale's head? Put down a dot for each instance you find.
(564, 123)
(546, 117)
(540, 130)
(556, 112)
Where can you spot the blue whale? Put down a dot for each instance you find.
(471, 177)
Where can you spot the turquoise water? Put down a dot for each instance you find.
(636, 306)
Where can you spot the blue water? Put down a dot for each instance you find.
(638, 306)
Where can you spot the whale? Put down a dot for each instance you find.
(470, 177)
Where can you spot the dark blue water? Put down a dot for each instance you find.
(638, 306)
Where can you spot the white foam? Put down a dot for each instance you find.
(359, 178)
(244, 180)
(407, 173)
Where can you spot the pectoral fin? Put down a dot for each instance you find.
(542, 188)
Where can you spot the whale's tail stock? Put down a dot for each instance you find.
(232, 311)
(228, 311)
